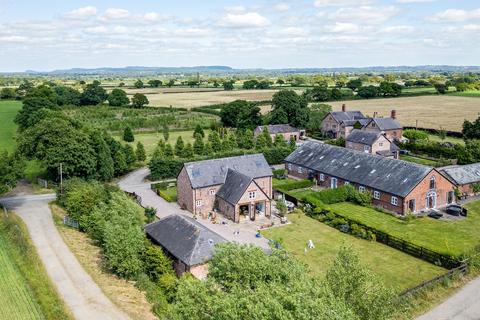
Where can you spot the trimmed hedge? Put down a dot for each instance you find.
(343, 194)
(169, 194)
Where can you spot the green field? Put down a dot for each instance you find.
(472, 93)
(418, 160)
(418, 90)
(447, 237)
(397, 269)
(16, 299)
(8, 110)
(436, 138)
(150, 140)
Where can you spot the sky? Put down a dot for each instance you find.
(47, 35)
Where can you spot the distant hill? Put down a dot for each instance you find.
(225, 70)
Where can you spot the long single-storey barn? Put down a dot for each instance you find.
(396, 185)
(466, 178)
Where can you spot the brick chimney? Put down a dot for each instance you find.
(344, 107)
(375, 114)
(393, 114)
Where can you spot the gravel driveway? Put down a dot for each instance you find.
(244, 233)
(81, 294)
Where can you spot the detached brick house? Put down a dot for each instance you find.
(285, 130)
(463, 177)
(338, 124)
(389, 126)
(188, 243)
(396, 185)
(373, 143)
(238, 187)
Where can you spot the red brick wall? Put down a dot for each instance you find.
(419, 193)
(184, 191)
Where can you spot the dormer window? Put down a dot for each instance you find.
(433, 183)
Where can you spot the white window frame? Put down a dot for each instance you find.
(198, 203)
(366, 149)
(376, 195)
(211, 192)
(300, 169)
(251, 195)
(394, 201)
(290, 167)
(434, 183)
(361, 189)
(346, 182)
(322, 177)
(332, 184)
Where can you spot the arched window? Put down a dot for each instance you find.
(432, 183)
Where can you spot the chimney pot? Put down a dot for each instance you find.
(344, 107)
(393, 114)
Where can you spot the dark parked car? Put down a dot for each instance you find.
(435, 214)
(404, 152)
(454, 209)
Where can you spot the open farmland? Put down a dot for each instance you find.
(447, 112)
(197, 97)
(16, 299)
(8, 111)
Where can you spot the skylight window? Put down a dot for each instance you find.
(345, 164)
(373, 171)
(357, 166)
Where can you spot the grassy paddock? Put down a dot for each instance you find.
(8, 111)
(446, 237)
(470, 93)
(25, 288)
(392, 266)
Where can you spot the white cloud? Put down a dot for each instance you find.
(151, 16)
(82, 13)
(465, 28)
(343, 27)
(245, 20)
(364, 14)
(116, 14)
(398, 29)
(294, 31)
(415, 1)
(456, 15)
(192, 32)
(327, 3)
(97, 30)
(282, 6)
(236, 9)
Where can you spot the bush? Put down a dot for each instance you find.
(150, 214)
(293, 185)
(169, 194)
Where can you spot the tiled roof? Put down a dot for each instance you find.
(347, 115)
(387, 123)
(466, 174)
(213, 172)
(184, 238)
(389, 175)
(235, 186)
(363, 137)
(276, 129)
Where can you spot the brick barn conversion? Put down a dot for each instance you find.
(464, 177)
(187, 242)
(238, 187)
(396, 185)
(372, 142)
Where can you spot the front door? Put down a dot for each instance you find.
(450, 195)
(411, 205)
(431, 200)
(333, 183)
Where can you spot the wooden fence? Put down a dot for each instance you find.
(460, 270)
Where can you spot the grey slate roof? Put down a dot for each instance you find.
(363, 137)
(184, 238)
(387, 123)
(389, 175)
(466, 174)
(362, 122)
(276, 128)
(235, 185)
(347, 115)
(213, 172)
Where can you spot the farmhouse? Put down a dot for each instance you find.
(186, 241)
(395, 185)
(287, 131)
(238, 187)
(372, 142)
(389, 126)
(338, 124)
(466, 178)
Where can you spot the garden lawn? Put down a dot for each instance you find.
(150, 140)
(436, 138)
(395, 268)
(446, 237)
(8, 111)
(418, 160)
(169, 194)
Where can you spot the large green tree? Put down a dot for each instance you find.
(139, 100)
(118, 98)
(93, 94)
(289, 107)
(11, 169)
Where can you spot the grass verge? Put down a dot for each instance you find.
(40, 293)
(121, 292)
(8, 111)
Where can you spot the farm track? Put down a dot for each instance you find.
(80, 293)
